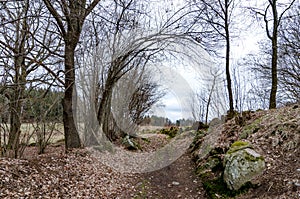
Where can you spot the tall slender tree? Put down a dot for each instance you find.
(215, 23)
(272, 19)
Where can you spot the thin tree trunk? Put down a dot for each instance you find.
(209, 100)
(16, 98)
(15, 127)
(228, 78)
(16, 107)
(274, 39)
(273, 93)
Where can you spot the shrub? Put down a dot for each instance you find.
(171, 132)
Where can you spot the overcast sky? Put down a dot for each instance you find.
(177, 100)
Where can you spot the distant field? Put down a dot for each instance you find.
(28, 129)
(147, 129)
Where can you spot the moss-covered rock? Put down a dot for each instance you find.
(250, 129)
(242, 164)
(130, 144)
(238, 145)
(211, 164)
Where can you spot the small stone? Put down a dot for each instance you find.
(298, 170)
(175, 183)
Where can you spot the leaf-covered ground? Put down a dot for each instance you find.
(78, 174)
(59, 175)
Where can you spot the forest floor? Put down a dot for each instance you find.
(79, 174)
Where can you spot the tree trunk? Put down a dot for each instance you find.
(72, 139)
(228, 78)
(16, 109)
(74, 14)
(209, 100)
(274, 39)
(16, 102)
(273, 93)
(104, 111)
(15, 126)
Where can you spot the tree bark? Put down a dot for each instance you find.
(75, 12)
(274, 39)
(104, 110)
(16, 105)
(273, 93)
(72, 139)
(15, 126)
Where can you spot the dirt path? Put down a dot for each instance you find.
(80, 175)
(177, 180)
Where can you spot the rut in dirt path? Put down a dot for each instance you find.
(177, 180)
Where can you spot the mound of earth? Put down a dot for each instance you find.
(275, 134)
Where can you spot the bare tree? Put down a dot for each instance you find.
(130, 39)
(208, 96)
(22, 34)
(131, 42)
(145, 93)
(70, 17)
(215, 24)
(272, 19)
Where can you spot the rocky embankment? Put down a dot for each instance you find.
(253, 155)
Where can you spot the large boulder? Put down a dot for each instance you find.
(242, 164)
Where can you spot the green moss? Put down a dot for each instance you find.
(143, 190)
(217, 188)
(238, 145)
(213, 164)
(146, 140)
(197, 140)
(251, 128)
(254, 159)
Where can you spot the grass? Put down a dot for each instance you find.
(143, 190)
(28, 131)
